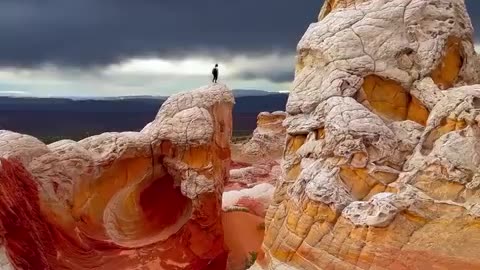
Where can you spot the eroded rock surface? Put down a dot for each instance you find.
(381, 166)
(256, 166)
(249, 175)
(267, 141)
(258, 159)
(132, 200)
(254, 200)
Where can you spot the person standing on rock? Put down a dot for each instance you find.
(215, 73)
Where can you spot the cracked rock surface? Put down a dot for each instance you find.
(381, 162)
(131, 200)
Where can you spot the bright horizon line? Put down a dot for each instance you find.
(140, 78)
(25, 94)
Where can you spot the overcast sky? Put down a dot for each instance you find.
(150, 47)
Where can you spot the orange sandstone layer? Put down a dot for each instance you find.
(381, 163)
(133, 200)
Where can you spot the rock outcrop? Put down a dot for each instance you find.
(254, 174)
(132, 200)
(381, 166)
(267, 141)
(254, 200)
(257, 160)
(256, 166)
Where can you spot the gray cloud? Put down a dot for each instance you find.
(86, 33)
(92, 32)
(277, 76)
(473, 7)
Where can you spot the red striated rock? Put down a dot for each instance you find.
(146, 200)
(28, 238)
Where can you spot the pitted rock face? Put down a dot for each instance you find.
(381, 166)
(132, 200)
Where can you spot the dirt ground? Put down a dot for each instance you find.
(244, 233)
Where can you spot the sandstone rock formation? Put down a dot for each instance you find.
(254, 200)
(381, 166)
(256, 166)
(254, 174)
(267, 141)
(132, 200)
(258, 159)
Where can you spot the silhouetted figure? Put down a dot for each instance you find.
(215, 73)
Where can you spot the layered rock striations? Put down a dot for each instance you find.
(132, 200)
(381, 165)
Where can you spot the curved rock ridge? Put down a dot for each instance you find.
(381, 164)
(131, 200)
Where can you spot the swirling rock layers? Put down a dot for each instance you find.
(132, 200)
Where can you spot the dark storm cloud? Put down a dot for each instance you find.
(473, 7)
(84, 33)
(97, 32)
